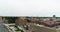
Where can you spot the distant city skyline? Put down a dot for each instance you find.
(44, 8)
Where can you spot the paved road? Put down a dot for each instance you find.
(3, 28)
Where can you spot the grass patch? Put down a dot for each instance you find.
(18, 31)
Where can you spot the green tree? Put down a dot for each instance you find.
(11, 19)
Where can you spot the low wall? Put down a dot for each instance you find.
(41, 29)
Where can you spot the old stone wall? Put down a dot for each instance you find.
(41, 29)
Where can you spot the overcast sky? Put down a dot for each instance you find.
(29, 7)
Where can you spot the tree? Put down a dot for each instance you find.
(11, 19)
